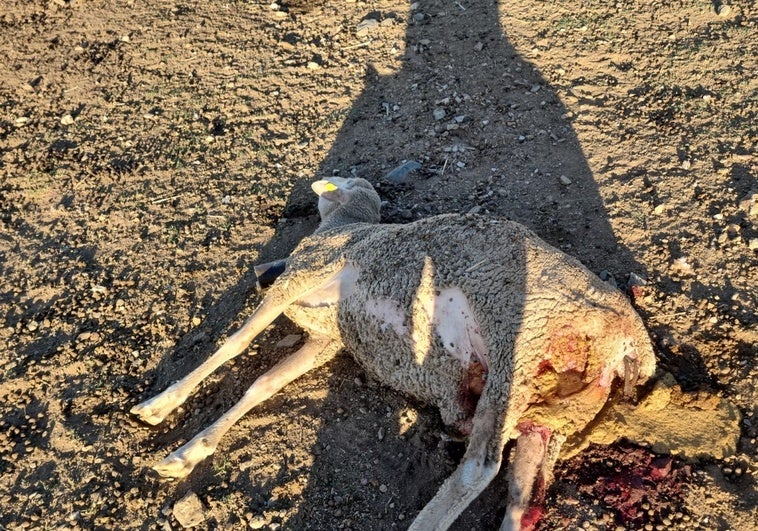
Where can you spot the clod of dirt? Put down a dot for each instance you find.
(690, 425)
(189, 511)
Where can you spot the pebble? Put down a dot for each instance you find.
(439, 113)
(257, 522)
(418, 17)
(724, 10)
(32, 326)
(189, 511)
(382, 488)
(289, 341)
(67, 119)
(365, 25)
(400, 174)
(564, 180)
(753, 244)
(682, 267)
(749, 204)
(636, 280)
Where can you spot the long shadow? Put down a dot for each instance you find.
(491, 136)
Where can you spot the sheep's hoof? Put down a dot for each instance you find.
(181, 462)
(148, 413)
(174, 467)
(154, 410)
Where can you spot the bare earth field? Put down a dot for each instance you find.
(152, 152)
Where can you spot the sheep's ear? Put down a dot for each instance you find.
(329, 190)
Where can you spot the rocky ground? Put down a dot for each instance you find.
(151, 152)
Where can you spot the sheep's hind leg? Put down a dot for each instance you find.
(154, 410)
(314, 353)
(479, 466)
(529, 475)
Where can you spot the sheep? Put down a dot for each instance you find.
(509, 337)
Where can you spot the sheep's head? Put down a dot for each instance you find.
(342, 201)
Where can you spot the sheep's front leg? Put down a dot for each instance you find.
(529, 475)
(479, 466)
(154, 410)
(314, 353)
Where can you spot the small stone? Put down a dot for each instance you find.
(313, 65)
(606, 276)
(723, 10)
(753, 244)
(439, 113)
(686, 164)
(682, 267)
(256, 522)
(475, 210)
(32, 326)
(749, 204)
(400, 174)
(67, 119)
(733, 230)
(418, 17)
(382, 488)
(659, 209)
(289, 341)
(636, 280)
(21, 120)
(365, 25)
(564, 180)
(189, 511)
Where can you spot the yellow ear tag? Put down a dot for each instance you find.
(330, 187)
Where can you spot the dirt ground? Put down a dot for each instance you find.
(151, 152)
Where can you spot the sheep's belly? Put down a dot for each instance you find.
(434, 351)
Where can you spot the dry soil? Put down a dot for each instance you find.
(151, 152)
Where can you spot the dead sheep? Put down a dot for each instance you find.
(510, 338)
